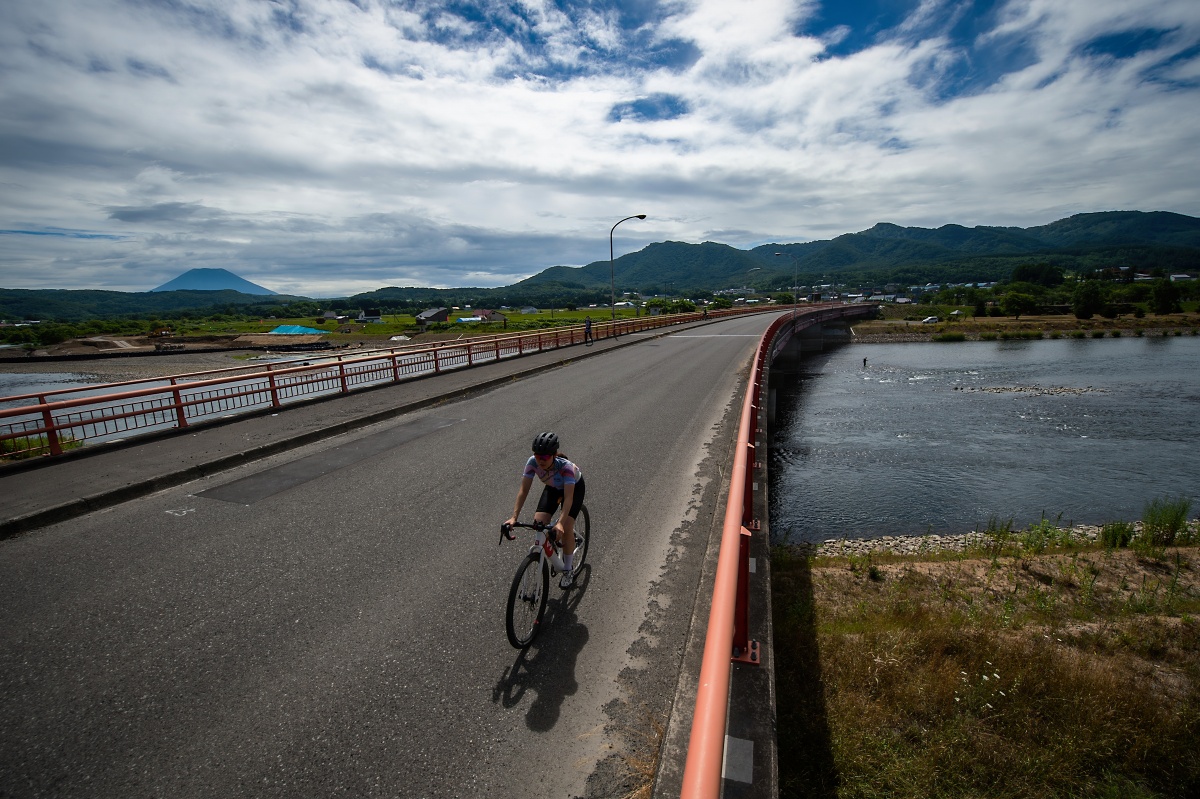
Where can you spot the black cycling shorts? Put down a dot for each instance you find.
(552, 497)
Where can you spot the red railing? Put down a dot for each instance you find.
(727, 639)
(59, 420)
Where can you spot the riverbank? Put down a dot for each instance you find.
(987, 665)
(1063, 674)
(930, 544)
(988, 328)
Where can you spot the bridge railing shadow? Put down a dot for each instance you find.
(805, 744)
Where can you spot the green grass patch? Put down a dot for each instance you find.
(950, 337)
(1032, 676)
(34, 446)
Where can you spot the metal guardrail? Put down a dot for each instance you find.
(50, 423)
(727, 637)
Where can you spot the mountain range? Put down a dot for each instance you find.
(885, 254)
(888, 253)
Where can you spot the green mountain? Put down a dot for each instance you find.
(884, 254)
(889, 253)
(68, 305)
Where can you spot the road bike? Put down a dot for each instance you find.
(531, 583)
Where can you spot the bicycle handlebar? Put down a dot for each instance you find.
(506, 529)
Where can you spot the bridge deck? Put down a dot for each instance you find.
(88, 479)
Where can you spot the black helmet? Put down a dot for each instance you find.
(545, 444)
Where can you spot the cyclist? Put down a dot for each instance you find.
(564, 486)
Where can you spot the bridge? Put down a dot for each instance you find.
(309, 601)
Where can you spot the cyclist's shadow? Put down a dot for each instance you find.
(548, 665)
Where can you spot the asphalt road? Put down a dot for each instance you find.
(329, 622)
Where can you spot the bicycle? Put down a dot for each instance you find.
(531, 583)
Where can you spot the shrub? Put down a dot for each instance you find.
(1114, 535)
(1117, 333)
(1164, 519)
(988, 336)
(1078, 334)
(1097, 334)
(1044, 533)
(950, 337)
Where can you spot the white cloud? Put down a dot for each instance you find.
(414, 146)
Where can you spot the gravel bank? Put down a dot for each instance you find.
(922, 544)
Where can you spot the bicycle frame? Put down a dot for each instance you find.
(548, 544)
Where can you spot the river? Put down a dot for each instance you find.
(942, 437)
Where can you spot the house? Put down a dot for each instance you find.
(433, 315)
(490, 316)
(528, 309)
(372, 315)
(1179, 278)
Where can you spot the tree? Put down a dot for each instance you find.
(1164, 298)
(1040, 274)
(1088, 299)
(1015, 303)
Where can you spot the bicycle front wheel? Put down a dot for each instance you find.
(527, 601)
(583, 537)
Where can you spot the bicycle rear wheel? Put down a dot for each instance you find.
(527, 601)
(583, 537)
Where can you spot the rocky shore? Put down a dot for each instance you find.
(929, 543)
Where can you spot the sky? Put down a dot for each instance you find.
(329, 147)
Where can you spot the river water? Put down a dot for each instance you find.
(935, 437)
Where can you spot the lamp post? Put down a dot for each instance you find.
(612, 273)
(795, 280)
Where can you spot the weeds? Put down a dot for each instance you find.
(1114, 535)
(1043, 534)
(33, 446)
(1033, 677)
(1165, 519)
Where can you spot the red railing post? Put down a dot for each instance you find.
(274, 387)
(180, 411)
(342, 375)
(51, 430)
(743, 649)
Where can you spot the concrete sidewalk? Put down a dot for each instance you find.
(43, 491)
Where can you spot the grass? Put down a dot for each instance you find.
(34, 446)
(1072, 671)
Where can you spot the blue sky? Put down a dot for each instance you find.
(326, 147)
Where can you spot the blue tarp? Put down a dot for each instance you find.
(297, 330)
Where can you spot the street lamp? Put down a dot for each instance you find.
(612, 274)
(795, 280)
